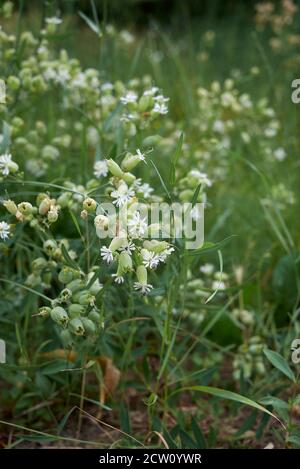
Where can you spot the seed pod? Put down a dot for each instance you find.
(76, 326)
(114, 168)
(75, 285)
(67, 339)
(89, 326)
(66, 275)
(44, 311)
(25, 208)
(76, 310)
(125, 262)
(89, 204)
(65, 294)
(86, 298)
(39, 264)
(50, 246)
(95, 317)
(60, 316)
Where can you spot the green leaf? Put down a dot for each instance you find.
(275, 402)
(175, 159)
(68, 259)
(294, 439)
(178, 149)
(196, 193)
(199, 437)
(93, 26)
(280, 363)
(209, 247)
(232, 396)
(160, 178)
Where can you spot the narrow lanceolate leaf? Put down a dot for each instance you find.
(91, 24)
(175, 159)
(280, 363)
(232, 396)
(68, 259)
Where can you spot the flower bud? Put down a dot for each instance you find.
(53, 215)
(114, 168)
(44, 206)
(10, 206)
(44, 311)
(141, 273)
(76, 310)
(89, 204)
(130, 162)
(76, 326)
(129, 178)
(84, 214)
(125, 262)
(50, 246)
(86, 298)
(60, 316)
(75, 285)
(65, 294)
(66, 338)
(95, 317)
(89, 326)
(116, 243)
(25, 208)
(66, 275)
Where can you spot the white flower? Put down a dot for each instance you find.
(129, 248)
(49, 74)
(4, 230)
(280, 154)
(150, 259)
(54, 20)
(207, 269)
(270, 132)
(100, 168)
(144, 289)
(218, 285)
(106, 254)
(137, 226)
(107, 86)
(203, 178)
(122, 195)
(130, 97)
(7, 164)
(118, 278)
(160, 108)
(151, 92)
(162, 256)
(140, 155)
(219, 126)
(146, 190)
(62, 76)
